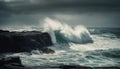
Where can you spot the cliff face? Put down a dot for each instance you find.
(23, 41)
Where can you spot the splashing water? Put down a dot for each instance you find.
(66, 33)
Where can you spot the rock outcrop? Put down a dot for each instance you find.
(8, 60)
(47, 51)
(10, 63)
(23, 41)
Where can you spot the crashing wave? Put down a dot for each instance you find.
(62, 33)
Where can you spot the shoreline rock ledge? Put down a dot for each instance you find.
(23, 41)
(11, 63)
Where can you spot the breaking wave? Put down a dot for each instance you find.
(63, 33)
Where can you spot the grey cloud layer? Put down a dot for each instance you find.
(29, 6)
(31, 11)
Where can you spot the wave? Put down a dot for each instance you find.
(64, 33)
(110, 53)
(115, 31)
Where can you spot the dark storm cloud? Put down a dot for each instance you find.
(31, 11)
(30, 6)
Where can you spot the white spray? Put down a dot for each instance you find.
(78, 34)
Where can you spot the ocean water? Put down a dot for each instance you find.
(94, 47)
(104, 51)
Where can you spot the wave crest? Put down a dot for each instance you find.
(65, 33)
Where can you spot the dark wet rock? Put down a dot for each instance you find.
(47, 51)
(23, 41)
(10, 63)
(1, 31)
(8, 60)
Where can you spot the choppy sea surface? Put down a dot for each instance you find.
(103, 51)
(94, 47)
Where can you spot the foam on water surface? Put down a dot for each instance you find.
(103, 52)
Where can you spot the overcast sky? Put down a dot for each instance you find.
(91, 13)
